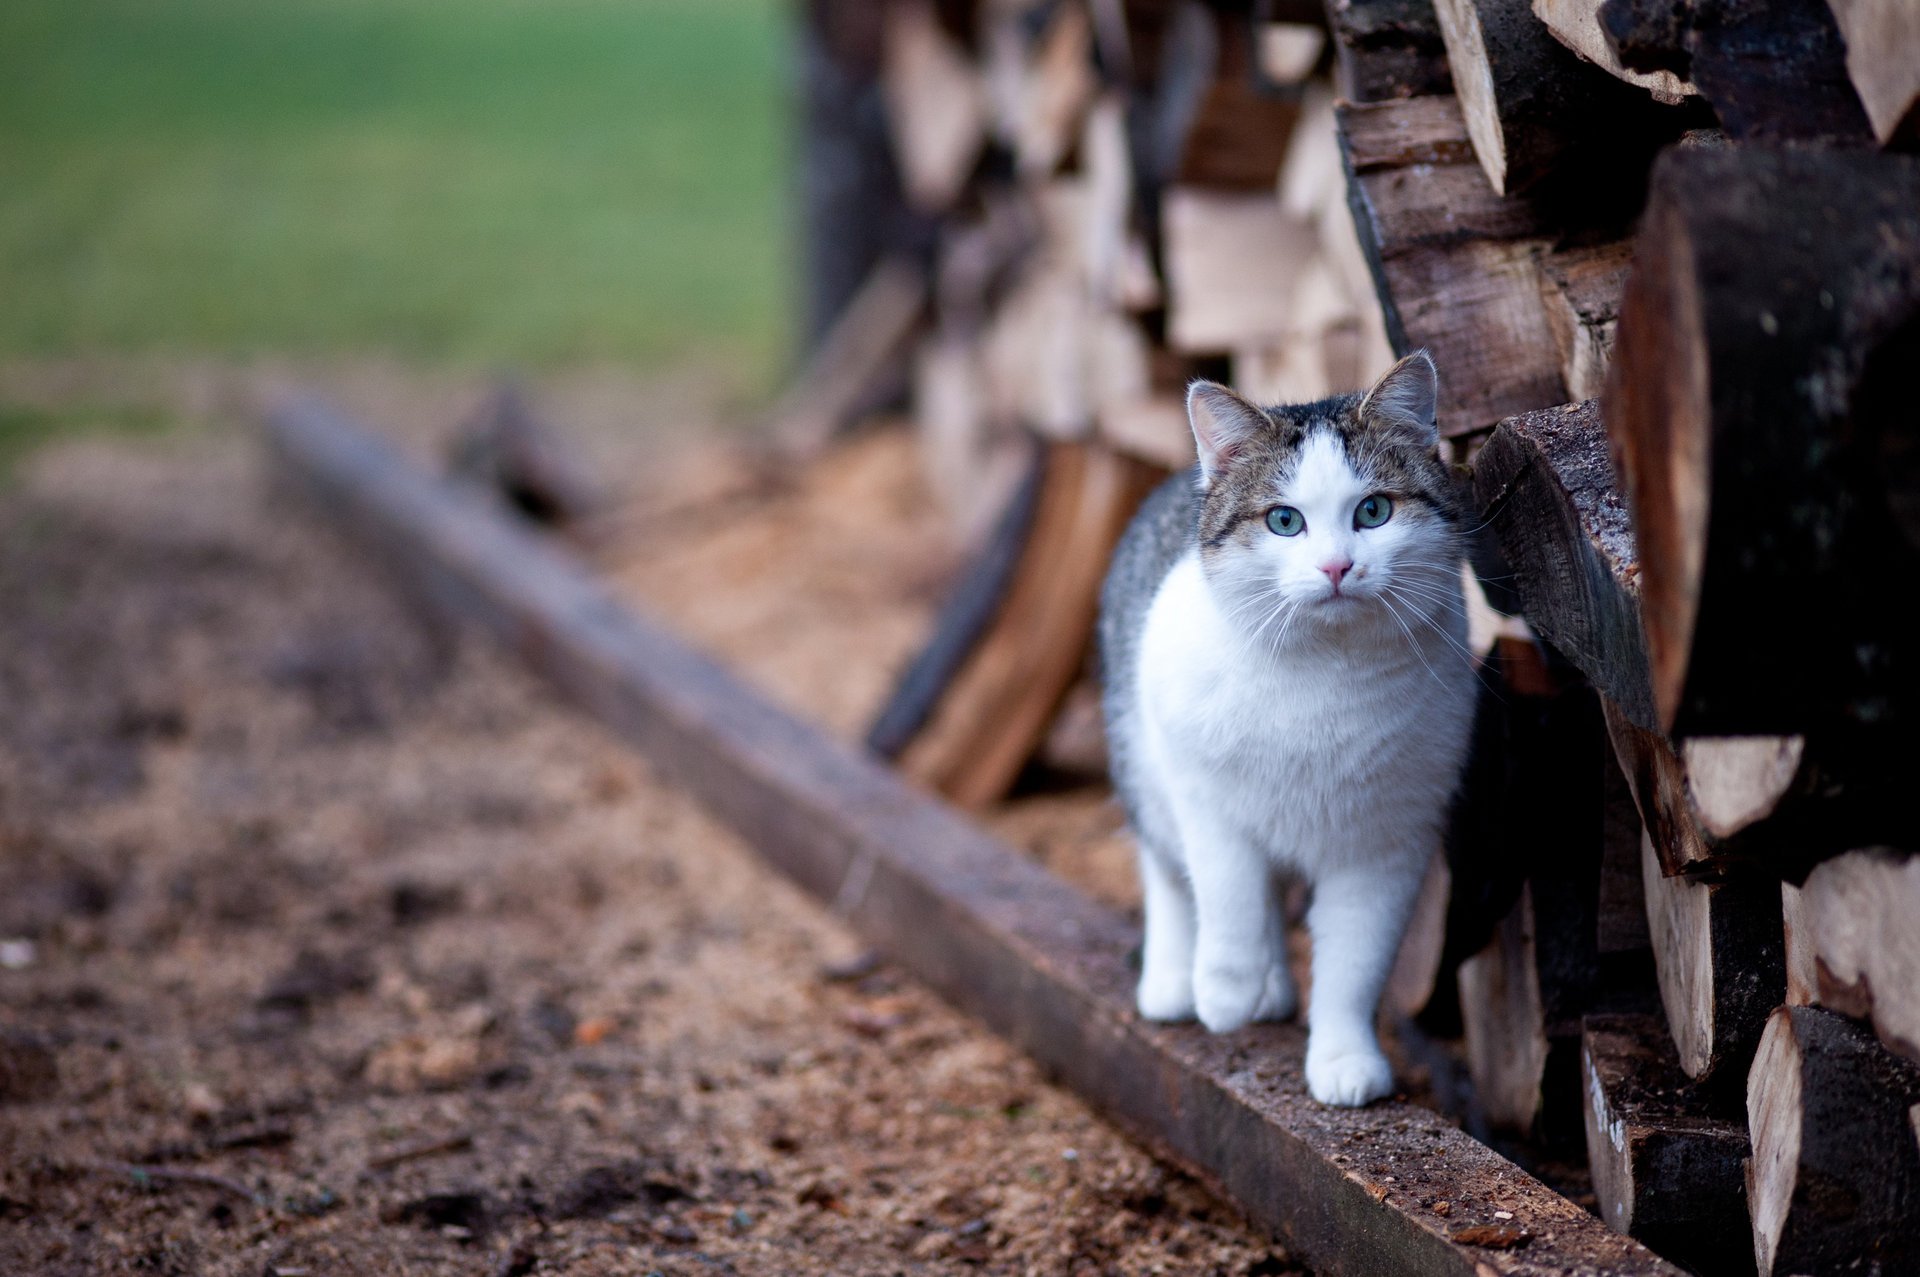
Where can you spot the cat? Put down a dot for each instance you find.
(1289, 693)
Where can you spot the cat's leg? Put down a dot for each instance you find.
(1238, 927)
(1166, 952)
(1280, 998)
(1357, 919)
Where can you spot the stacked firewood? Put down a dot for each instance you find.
(1666, 254)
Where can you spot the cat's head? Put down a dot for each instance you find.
(1329, 512)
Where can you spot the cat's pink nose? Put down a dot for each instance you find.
(1335, 570)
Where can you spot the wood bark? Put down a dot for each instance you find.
(1576, 24)
(1883, 61)
(1834, 1183)
(1668, 1167)
(1452, 260)
(1544, 482)
(1861, 915)
(1388, 49)
(1532, 106)
(980, 922)
(1759, 405)
(1720, 953)
(1774, 70)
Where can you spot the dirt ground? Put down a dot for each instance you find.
(329, 944)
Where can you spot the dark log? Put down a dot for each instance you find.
(1530, 104)
(504, 446)
(1760, 408)
(1387, 49)
(965, 616)
(1721, 955)
(1667, 1167)
(1883, 61)
(1241, 126)
(1774, 70)
(983, 924)
(1861, 917)
(1544, 483)
(1580, 288)
(1834, 1183)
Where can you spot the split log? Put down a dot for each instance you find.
(1581, 288)
(1057, 88)
(1774, 70)
(934, 105)
(1861, 915)
(1883, 61)
(1237, 138)
(1452, 261)
(1233, 262)
(1720, 953)
(1759, 405)
(1834, 1183)
(1667, 1169)
(1388, 49)
(1532, 107)
(1576, 24)
(1544, 482)
(998, 705)
(1508, 1050)
(1803, 969)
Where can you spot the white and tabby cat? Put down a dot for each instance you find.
(1289, 692)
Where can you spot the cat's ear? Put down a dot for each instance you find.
(1223, 424)
(1405, 398)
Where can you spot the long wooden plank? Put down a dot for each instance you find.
(1350, 1192)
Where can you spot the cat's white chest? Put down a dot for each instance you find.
(1307, 751)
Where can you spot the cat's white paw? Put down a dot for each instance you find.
(1165, 997)
(1350, 1079)
(1228, 999)
(1279, 999)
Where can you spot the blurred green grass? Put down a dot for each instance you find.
(540, 183)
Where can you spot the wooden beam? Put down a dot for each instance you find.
(1348, 1191)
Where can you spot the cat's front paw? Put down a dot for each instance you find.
(1228, 999)
(1349, 1079)
(1165, 997)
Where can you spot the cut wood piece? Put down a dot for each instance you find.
(1774, 70)
(1153, 429)
(1416, 969)
(1580, 288)
(1659, 785)
(979, 921)
(1387, 49)
(1834, 1183)
(999, 704)
(1621, 927)
(1803, 970)
(1531, 106)
(1576, 24)
(1233, 261)
(934, 105)
(1544, 483)
(1237, 138)
(1667, 1167)
(1506, 1028)
(1119, 273)
(506, 447)
(865, 350)
(970, 608)
(1883, 61)
(1759, 405)
(1289, 51)
(1721, 956)
(1861, 913)
(1057, 86)
(1452, 261)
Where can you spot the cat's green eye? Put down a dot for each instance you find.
(1373, 511)
(1285, 521)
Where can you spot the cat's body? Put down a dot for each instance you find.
(1292, 702)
